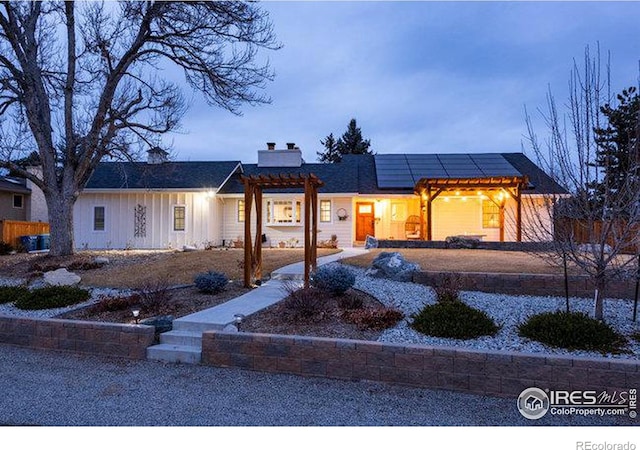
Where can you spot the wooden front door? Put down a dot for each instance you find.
(365, 221)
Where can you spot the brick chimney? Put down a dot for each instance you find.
(271, 145)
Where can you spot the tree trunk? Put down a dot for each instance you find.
(61, 223)
(599, 297)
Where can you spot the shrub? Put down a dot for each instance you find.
(5, 248)
(573, 331)
(374, 318)
(335, 279)
(84, 265)
(303, 304)
(211, 282)
(9, 294)
(454, 320)
(448, 289)
(154, 296)
(52, 297)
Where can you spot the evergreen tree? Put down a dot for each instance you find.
(618, 154)
(331, 154)
(350, 143)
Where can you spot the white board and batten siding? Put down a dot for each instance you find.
(233, 229)
(154, 222)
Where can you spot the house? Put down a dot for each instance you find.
(20, 200)
(166, 204)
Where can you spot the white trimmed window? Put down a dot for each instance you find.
(18, 201)
(99, 218)
(325, 210)
(284, 212)
(179, 218)
(240, 212)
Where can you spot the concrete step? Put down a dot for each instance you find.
(196, 326)
(177, 337)
(175, 353)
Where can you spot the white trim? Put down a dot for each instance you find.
(239, 165)
(173, 218)
(93, 218)
(13, 201)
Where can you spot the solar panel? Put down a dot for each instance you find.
(405, 170)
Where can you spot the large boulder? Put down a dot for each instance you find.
(61, 277)
(392, 265)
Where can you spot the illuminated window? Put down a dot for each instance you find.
(240, 215)
(179, 215)
(283, 212)
(490, 214)
(325, 210)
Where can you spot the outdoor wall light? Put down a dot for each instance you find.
(136, 315)
(237, 319)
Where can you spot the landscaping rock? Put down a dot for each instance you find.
(161, 323)
(189, 248)
(392, 265)
(462, 242)
(370, 242)
(101, 260)
(61, 277)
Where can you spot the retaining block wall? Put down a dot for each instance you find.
(98, 338)
(503, 374)
(528, 284)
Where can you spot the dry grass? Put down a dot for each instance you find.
(180, 268)
(462, 260)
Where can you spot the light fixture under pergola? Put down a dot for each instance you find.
(253, 187)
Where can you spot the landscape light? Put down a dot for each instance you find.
(136, 314)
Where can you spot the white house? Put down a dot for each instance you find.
(162, 204)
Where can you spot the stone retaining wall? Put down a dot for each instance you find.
(503, 374)
(482, 245)
(98, 338)
(528, 284)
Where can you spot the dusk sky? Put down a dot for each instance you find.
(419, 77)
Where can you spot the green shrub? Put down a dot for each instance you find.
(335, 279)
(374, 318)
(9, 294)
(454, 320)
(211, 282)
(52, 297)
(5, 248)
(573, 331)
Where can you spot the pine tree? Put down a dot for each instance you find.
(618, 154)
(331, 154)
(350, 143)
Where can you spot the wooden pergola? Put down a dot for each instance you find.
(253, 187)
(430, 188)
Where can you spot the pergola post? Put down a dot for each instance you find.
(429, 222)
(248, 257)
(314, 227)
(258, 244)
(501, 219)
(518, 215)
(307, 243)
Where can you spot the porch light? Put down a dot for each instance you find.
(457, 192)
(479, 192)
(210, 193)
(446, 199)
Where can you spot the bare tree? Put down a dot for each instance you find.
(592, 227)
(82, 81)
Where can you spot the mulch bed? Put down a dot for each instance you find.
(179, 303)
(330, 322)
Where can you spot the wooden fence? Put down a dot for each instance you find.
(589, 231)
(11, 230)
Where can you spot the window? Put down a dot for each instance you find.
(18, 201)
(98, 218)
(240, 215)
(490, 214)
(325, 210)
(179, 214)
(284, 212)
(398, 212)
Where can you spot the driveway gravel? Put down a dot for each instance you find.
(59, 389)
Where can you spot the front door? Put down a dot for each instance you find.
(365, 221)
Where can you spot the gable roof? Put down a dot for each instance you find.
(168, 175)
(539, 181)
(13, 185)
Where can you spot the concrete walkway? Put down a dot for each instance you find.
(184, 342)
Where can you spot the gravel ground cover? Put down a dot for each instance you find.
(507, 310)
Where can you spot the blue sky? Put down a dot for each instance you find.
(419, 77)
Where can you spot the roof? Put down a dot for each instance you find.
(13, 185)
(168, 175)
(539, 181)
